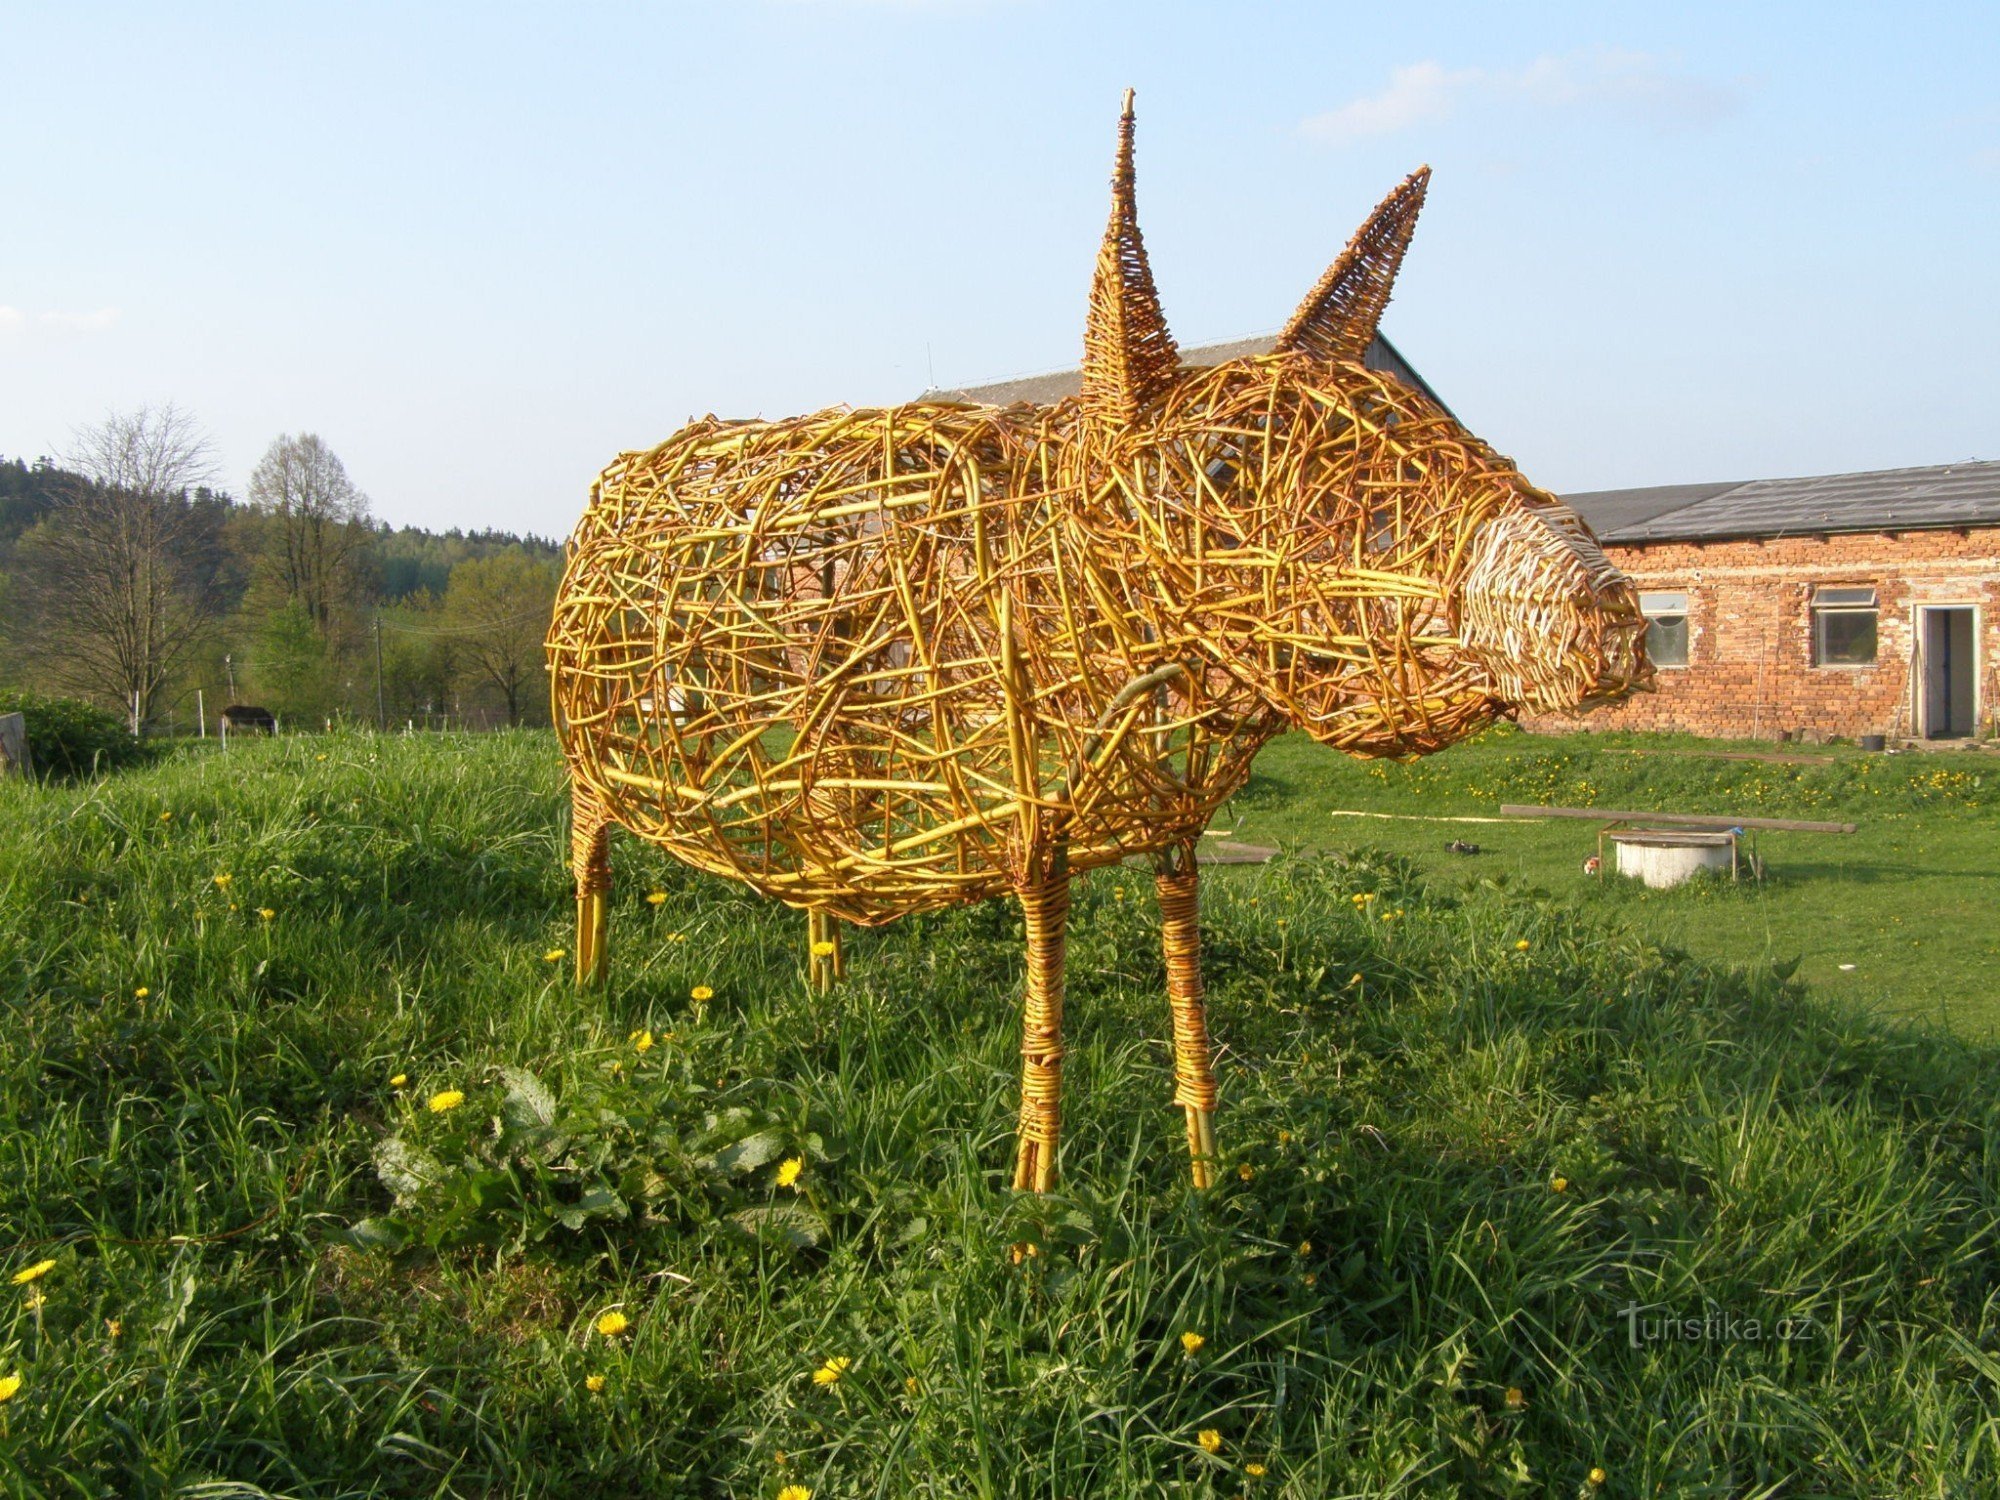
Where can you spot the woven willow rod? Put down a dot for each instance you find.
(872, 662)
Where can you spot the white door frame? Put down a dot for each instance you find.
(1919, 667)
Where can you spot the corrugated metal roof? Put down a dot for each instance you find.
(1965, 494)
(1054, 385)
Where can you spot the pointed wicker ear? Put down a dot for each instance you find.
(1337, 320)
(1128, 355)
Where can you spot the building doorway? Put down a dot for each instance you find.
(1947, 701)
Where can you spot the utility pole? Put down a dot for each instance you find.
(381, 716)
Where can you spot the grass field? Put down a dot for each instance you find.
(1522, 1196)
(1910, 902)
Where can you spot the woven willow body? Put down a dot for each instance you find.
(871, 662)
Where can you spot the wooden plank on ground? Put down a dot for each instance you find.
(1691, 820)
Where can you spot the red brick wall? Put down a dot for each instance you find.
(1750, 671)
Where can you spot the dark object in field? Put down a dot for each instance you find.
(1874, 741)
(1460, 846)
(248, 718)
(876, 662)
(14, 757)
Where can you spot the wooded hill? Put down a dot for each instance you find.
(118, 581)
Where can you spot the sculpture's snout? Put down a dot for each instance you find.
(1548, 616)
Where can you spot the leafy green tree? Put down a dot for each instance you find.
(294, 675)
(498, 609)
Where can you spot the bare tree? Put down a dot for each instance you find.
(320, 523)
(121, 579)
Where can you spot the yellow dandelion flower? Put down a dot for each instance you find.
(1522, 946)
(1246, 1171)
(789, 1169)
(1558, 1184)
(1598, 1476)
(612, 1324)
(1515, 1399)
(1118, 893)
(398, 1080)
(166, 817)
(655, 898)
(1354, 979)
(642, 1041)
(266, 913)
(1305, 1247)
(9, 1384)
(822, 949)
(796, 1492)
(1311, 1279)
(554, 956)
(593, 1383)
(677, 937)
(222, 881)
(1210, 1440)
(1254, 1469)
(1284, 1138)
(445, 1101)
(113, 1327)
(910, 1384)
(35, 1272)
(701, 992)
(1191, 1342)
(141, 993)
(319, 757)
(830, 1372)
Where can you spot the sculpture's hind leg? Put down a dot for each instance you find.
(1194, 1082)
(590, 860)
(1045, 906)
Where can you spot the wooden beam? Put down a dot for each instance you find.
(1692, 820)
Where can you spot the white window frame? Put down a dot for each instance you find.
(1685, 614)
(1834, 605)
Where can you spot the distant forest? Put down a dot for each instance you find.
(127, 579)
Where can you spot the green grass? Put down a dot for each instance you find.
(1394, 1259)
(1911, 901)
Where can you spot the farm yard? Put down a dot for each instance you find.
(321, 1179)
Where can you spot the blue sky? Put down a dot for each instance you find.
(480, 249)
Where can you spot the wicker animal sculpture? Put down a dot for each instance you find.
(872, 662)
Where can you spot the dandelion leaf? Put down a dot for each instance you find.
(406, 1170)
(790, 1224)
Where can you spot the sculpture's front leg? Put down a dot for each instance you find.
(590, 861)
(1194, 1083)
(1045, 907)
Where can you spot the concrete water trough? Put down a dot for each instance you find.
(1663, 857)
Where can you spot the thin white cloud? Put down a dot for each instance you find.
(94, 321)
(1636, 83)
(11, 317)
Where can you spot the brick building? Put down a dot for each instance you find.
(1843, 605)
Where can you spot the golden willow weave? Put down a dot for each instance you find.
(874, 662)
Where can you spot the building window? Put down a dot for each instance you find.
(1666, 628)
(1843, 626)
